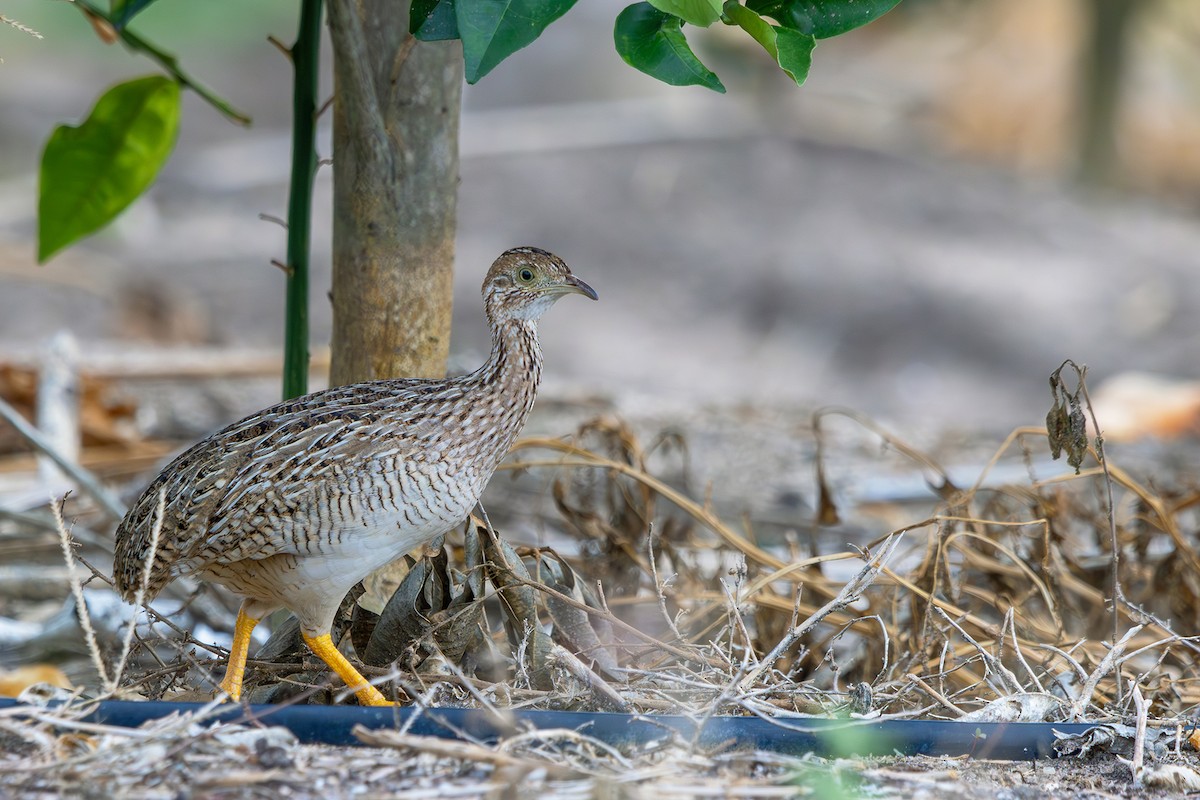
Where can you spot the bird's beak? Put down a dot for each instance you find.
(572, 285)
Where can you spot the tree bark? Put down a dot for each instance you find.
(395, 180)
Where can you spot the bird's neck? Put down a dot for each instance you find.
(515, 363)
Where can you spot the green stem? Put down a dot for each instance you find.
(306, 54)
(167, 61)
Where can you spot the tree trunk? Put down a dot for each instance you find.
(395, 180)
(1102, 75)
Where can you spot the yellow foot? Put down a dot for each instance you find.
(370, 696)
(367, 694)
(231, 684)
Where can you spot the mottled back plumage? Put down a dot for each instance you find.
(296, 503)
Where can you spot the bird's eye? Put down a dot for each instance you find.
(526, 274)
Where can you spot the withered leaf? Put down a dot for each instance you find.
(580, 632)
(520, 602)
(402, 622)
(1066, 425)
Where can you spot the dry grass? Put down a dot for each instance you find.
(999, 605)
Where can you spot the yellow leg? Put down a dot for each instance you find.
(236, 671)
(367, 694)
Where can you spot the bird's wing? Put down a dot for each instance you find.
(188, 489)
(291, 489)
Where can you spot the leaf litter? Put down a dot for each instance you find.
(997, 606)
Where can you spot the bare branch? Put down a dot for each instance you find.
(848, 595)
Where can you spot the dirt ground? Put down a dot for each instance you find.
(268, 763)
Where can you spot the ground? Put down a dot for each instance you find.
(269, 763)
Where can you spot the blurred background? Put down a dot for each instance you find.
(963, 194)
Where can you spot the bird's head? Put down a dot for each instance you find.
(525, 281)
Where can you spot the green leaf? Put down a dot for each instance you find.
(791, 49)
(492, 30)
(822, 18)
(700, 13)
(122, 11)
(795, 53)
(653, 42)
(91, 173)
(432, 20)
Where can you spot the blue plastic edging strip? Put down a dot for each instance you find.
(312, 724)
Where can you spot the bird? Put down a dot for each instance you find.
(292, 506)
